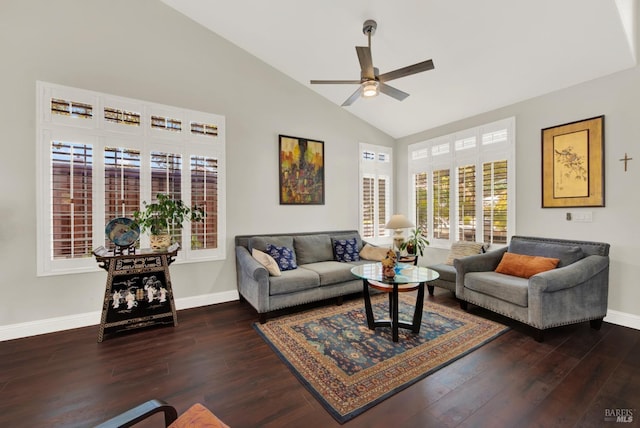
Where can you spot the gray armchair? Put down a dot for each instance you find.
(574, 292)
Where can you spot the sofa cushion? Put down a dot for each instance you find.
(525, 266)
(348, 236)
(284, 256)
(461, 249)
(446, 272)
(567, 254)
(312, 248)
(509, 288)
(331, 272)
(292, 281)
(369, 252)
(346, 250)
(267, 261)
(260, 242)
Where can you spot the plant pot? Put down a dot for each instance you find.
(160, 242)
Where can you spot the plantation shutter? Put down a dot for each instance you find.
(166, 177)
(467, 203)
(71, 200)
(495, 201)
(368, 206)
(204, 195)
(383, 184)
(421, 201)
(440, 204)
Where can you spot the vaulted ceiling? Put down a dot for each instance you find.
(487, 54)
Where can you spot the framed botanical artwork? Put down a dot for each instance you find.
(573, 164)
(301, 171)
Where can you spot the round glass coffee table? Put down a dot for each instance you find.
(407, 278)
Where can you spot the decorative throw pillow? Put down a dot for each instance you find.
(267, 261)
(369, 252)
(346, 250)
(461, 249)
(284, 256)
(525, 266)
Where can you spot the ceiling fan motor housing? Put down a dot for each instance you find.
(369, 27)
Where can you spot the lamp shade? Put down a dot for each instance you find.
(398, 221)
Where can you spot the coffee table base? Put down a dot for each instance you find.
(393, 290)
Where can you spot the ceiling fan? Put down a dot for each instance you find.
(371, 82)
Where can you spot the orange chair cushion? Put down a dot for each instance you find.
(525, 266)
(198, 416)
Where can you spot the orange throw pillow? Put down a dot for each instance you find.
(525, 266)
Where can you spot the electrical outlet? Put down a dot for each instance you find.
(568, 216)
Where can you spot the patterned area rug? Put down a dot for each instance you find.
(350, 368)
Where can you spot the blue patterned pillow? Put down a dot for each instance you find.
(346, 250)
(285, 257)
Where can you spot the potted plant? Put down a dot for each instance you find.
(416, 243)
(163, 217)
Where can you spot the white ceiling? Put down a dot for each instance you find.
(487, 54)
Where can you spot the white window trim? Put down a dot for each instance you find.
(478, 155)
(102, 133)
(376, 169)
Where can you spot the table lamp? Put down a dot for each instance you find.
(397, 223)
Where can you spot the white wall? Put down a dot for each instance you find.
(618, 98)
(143, 49)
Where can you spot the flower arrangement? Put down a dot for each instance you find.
(389, 264)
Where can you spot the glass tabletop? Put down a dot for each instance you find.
(405, 273)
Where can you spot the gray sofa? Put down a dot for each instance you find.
(573, 292)
(318, 276)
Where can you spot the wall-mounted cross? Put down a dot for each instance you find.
(625, 159)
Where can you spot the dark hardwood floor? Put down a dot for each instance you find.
(215, 357)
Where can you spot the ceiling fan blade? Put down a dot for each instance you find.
(366, 63)
(334, 82)
(407, 71)
(392, 92)
(352, 98)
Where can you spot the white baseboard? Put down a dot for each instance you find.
(623, 319)
(50, 325)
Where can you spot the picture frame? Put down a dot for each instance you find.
(301, 171)
(573, 164)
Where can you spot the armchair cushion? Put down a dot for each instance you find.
(525, 266)
(198, 416)
(567, 254)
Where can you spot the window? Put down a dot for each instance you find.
(463, 185)
(96, 167)
(376, 171)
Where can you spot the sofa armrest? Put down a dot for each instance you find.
(568, 276)
(253, 280)
(250, 265)
(480, 262)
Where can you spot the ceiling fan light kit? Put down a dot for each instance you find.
(371, 81)
(370, 89)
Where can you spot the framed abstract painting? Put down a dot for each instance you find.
(301, 171)
(573, 164)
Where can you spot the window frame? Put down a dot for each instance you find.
(102, 133)
(441, 153)
(376, 169)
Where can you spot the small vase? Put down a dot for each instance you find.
(160, 242)
(388, 271)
